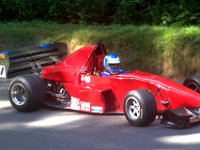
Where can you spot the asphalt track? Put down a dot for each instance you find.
(53, 129)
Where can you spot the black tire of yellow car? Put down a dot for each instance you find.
(140, 107)
(193, 82)
(27, 92)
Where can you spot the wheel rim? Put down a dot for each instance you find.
(133, 108)
(194, 86)
(18, 94)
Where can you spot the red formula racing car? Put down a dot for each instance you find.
(47, 75)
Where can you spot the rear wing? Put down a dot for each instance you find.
(31, 60)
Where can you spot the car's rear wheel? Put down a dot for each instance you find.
(140, 107)
(193, 82)
(27, 92)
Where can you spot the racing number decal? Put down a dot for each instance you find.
(2, 71)
(85, 78)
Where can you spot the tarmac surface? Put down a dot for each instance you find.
(52, 129)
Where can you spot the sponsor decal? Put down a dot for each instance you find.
(85, 106)
(97, 109)
(75, 103)
(85, 78)
(2, 71)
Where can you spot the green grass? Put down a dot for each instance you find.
(168, 51)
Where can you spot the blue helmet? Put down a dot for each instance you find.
(111, 63)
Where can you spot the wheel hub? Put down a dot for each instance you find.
(134, 108)
(18, 94)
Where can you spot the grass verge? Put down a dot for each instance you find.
(168, 51)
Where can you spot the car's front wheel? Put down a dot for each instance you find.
(27, 92)
(140, 107)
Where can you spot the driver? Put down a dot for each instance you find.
(111, 64)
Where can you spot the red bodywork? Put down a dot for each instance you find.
(96, 94)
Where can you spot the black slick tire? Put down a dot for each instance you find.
(27, 92)
(193, 82)
(140, 107)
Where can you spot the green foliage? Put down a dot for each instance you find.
(129, 10)
(180, 12)
(168, 51)
(159, 12)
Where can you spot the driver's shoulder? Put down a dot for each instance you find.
(104, 73)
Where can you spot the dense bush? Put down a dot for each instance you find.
(167, 12)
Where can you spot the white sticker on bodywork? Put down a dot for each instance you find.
(2, 71)
(75, 103)
(85, 78)
(97, 109)
(85, 106)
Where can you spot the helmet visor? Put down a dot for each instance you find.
(114, 68)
